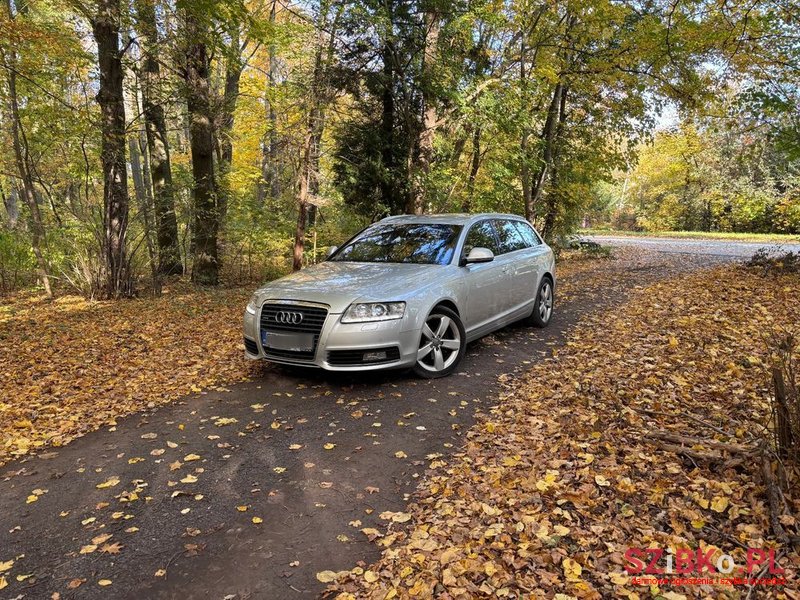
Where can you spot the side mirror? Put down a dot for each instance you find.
(479, 255)
(330, 251)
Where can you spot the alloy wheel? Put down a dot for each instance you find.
(440, 344)
(545, 302)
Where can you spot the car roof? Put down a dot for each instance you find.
(449, 218)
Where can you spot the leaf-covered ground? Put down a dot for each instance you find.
(72, 366)
(565, 474)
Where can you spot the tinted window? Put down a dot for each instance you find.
(528, 234)
(423, 243)
(481, 235)
(510, 237)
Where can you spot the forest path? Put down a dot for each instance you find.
(249, 493)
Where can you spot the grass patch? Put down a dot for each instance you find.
(772, 238)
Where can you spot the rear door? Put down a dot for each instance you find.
(486, 282)
(519, 258)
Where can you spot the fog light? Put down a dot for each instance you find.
(370, 356)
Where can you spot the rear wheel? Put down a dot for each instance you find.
(441, 345)
(543, 304)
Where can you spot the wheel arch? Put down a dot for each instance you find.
(447, 303)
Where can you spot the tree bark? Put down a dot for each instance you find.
(169, 255)
(547, 137)
(205, 268)
(233, 74)
(475, 165)
(425, 142)
(319, 98)
(105, 26)
(141, 178)
(552, 198)
(21, 159)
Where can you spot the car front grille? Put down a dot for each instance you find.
(313, 318)
(345, 358)
(251, 346)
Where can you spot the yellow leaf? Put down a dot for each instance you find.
(572, 570)
(241, 508)
(88, 549)
(258, 520)
(31, 499)
(3, 582)
(719, 504)
(5, 566)
(191, 457)
(326, 576)
(370, 576)
(161, 573)
(329, 446)
(601, 481)
(401, 454)
(104, 582)
(619, 578)
(295, 446)
(279, 469)
(189, 479)
(109, 483)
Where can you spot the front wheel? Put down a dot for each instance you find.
(543, 304)
(441, 345)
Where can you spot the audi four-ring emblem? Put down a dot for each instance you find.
(289, 318)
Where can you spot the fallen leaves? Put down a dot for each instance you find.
(109, 483)
(560, 478)
(110, 350)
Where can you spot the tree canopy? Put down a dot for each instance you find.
(234, 139)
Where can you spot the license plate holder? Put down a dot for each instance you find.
(288, 342)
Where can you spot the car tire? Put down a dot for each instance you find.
(442, 345)
(543, 304)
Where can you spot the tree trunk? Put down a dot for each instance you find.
(205, 268)
(389, 180)
(475, 165)
(425, 141)
(105, 26)
(547, 137)
(169, 255)
(552, 198)
(233, 74)
(141, 178)
(20, 146)
(319, 98)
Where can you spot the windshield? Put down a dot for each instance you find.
(419, 243)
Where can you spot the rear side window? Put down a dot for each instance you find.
(510, 237)
(481, 235)
(528, 234)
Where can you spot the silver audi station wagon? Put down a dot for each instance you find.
(407, 291)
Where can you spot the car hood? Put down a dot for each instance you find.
(339, 284)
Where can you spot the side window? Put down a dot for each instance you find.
(510, 237)
(481, 235)
(528, 234)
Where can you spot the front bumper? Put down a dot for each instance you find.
(346, 346)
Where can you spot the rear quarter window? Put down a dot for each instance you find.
(528, 234)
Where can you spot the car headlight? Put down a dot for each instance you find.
(252, 306)
(374, 311)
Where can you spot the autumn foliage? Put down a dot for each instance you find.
(73, 366)
(582, 459)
